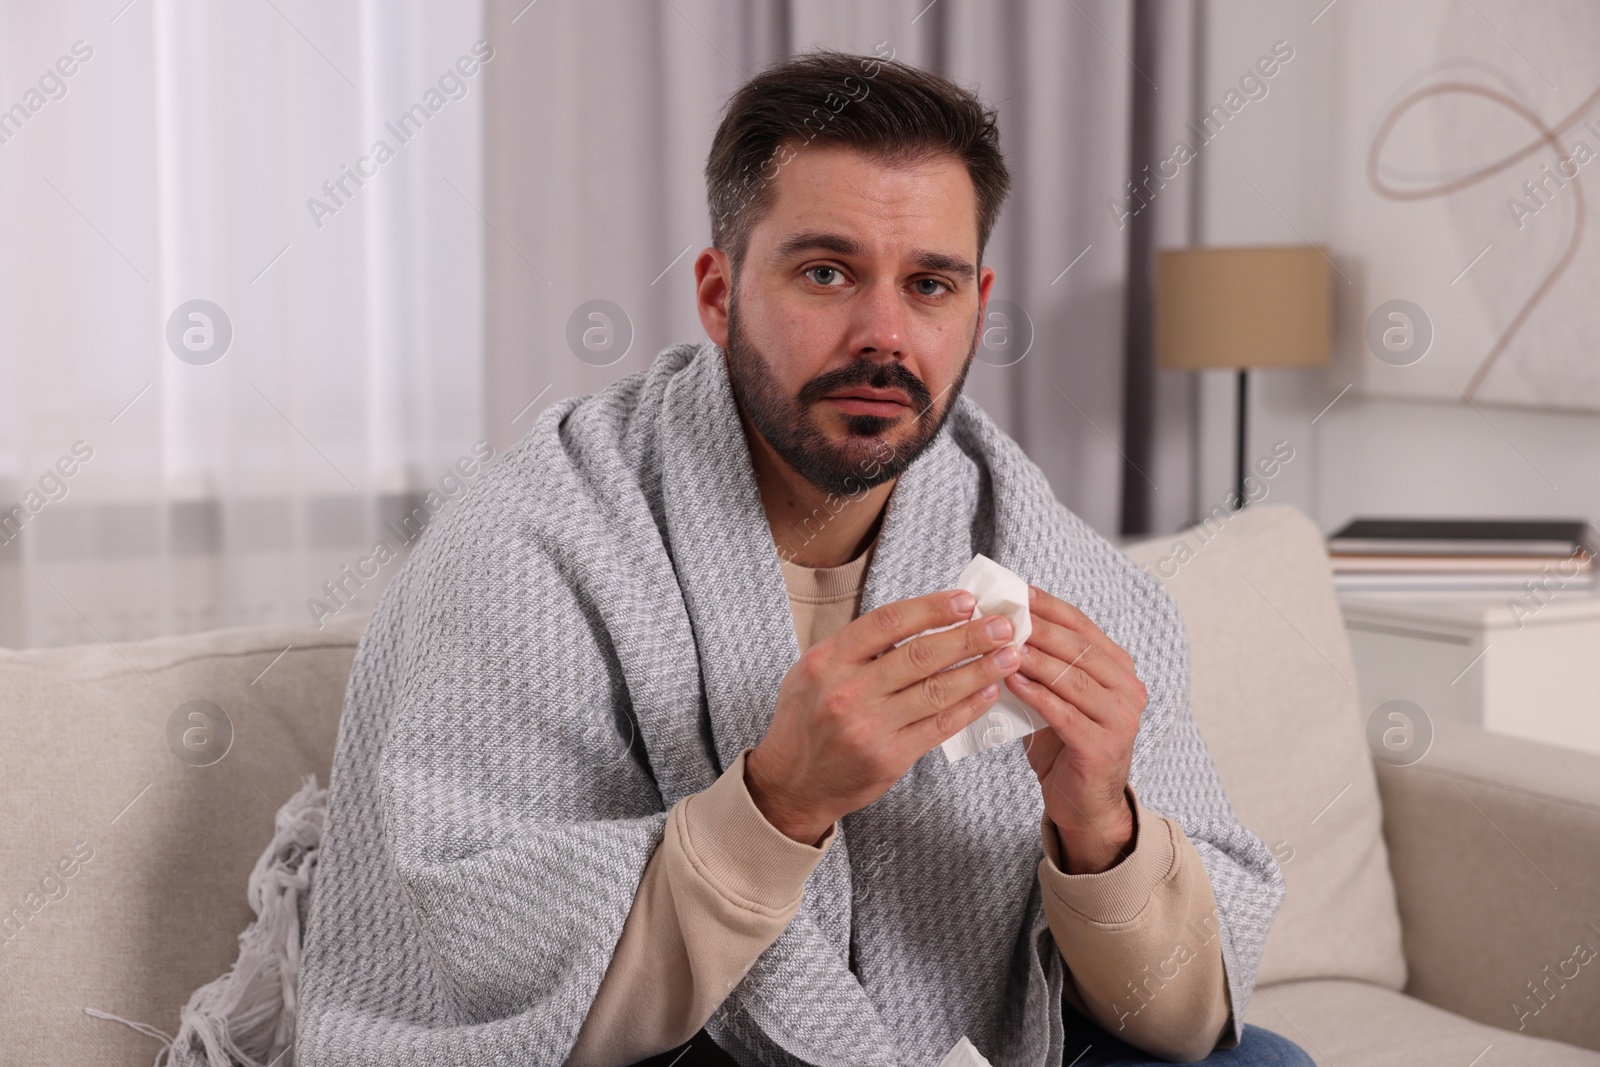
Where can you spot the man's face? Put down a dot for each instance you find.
(855, 314)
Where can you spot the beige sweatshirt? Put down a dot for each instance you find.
(1139, 940)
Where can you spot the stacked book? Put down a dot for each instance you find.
(1463, 554)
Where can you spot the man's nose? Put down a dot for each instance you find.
(878, 329)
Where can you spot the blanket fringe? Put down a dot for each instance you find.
(246, 1017)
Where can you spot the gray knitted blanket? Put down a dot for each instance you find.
(594, 633)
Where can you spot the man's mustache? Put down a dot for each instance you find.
(890, 374)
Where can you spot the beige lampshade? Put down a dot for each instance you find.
(1242, 307)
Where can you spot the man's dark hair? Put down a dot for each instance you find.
(893, 112)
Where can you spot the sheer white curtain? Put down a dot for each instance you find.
(311, 174)
(398, 210)
(599, 120)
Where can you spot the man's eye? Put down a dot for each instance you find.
(824, 275)
(923, 285)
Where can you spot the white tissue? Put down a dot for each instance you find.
(964, 1055)
(998, 592)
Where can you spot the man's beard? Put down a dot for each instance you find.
(789, 424)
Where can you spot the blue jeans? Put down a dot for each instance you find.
(1257, 1048)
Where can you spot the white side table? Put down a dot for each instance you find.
(1528, 671)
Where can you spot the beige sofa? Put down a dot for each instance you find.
(1424, 901)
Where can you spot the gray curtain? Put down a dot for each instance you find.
(598, 117)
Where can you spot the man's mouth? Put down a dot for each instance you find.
(866, 400)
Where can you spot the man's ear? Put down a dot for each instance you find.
(713, 289)
(985, 288)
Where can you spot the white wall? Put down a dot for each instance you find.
(1267, 179)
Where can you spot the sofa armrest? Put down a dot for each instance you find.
(1494, 843)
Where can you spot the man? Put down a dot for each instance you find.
(642, 747)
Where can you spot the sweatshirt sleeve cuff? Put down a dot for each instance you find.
(1119, 894)
(740, 851)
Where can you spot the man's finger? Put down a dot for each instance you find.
(1072, 726)
(1078, 652)
(1073, 687)
(880, 629)
(925, 733)
(941, 691)
(1060, 612)
(922, 656)
(1042, 747)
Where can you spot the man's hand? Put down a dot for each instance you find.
(855, 712)
(1085, 687)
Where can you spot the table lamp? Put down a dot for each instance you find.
(1241, 308)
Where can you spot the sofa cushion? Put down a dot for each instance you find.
(1273, 690)
(125, 865)
(1342, 1023)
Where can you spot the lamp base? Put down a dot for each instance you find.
(1243, 437)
